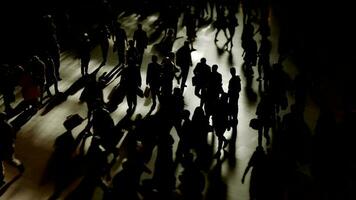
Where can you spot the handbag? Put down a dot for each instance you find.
(72, 121)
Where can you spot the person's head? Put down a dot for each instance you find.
(215, 68)
(176, 91)
(170, 32)
(139, 26)
(233, 71)
(171, 55)
(203, 60)
(259, 148)
(186, 114)
(154, 58)
(131, 43)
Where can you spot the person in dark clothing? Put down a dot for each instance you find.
(92, 95)
(104, 35)
(37, 69)
(213, 91)
(141, 40)
(8, 81)
(201, 80)
(51, 43)
(220, 23)
(192, 180)
(221, 122)
(132, 54)
(132, 77)
(167, 42)
(184, 61)
(265, 115)
(264, 60)
(168, 73)
(85, 53)
(7, 147)
(185, 140)
(189, 21)
(50, 74)
(258, 181)
(153, 77)
(120, 40)
(232, 23)
(234, 89)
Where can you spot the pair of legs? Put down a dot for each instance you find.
(13, 162)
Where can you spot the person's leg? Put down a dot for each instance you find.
(2, 173)
(13, 161)
(184, 79)
(56, 60)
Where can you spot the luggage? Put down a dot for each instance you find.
(72, 121)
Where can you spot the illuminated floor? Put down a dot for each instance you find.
(35, 140)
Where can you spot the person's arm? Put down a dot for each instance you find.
(246, 171)
(148, 77)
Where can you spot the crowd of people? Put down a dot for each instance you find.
(287, 138)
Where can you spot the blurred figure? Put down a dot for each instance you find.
(153, 77)
(141, 40)
(258, 181)
(104, 35)
(85, 53)
(7, 147)
(184, 61)
(120, 40)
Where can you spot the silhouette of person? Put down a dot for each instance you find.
(265, 114)
(185, 137)
(200, 130)
(221, 122)
(8, 81)
(232, 23)
(120, 40)
(201, 79)
(92, 95)
(134, 82)
(37, 69)
(264, 60)
(29, 88)
(167, 42)
(213, 91)
(132, 54)
(189, 21)
(184, 61)
(7, 147)
(50, 74)
(220, 23)
(104, 35)
(192, 179)
(85, 53)
(168, 73)
(234, 89)
(141, 41)
(51, 43)
(153, 77)
(258, 182)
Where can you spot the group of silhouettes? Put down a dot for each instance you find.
(216, 114)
